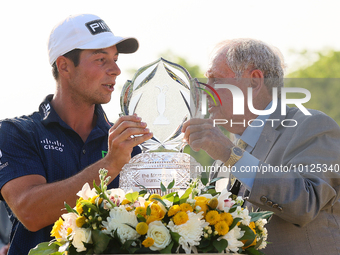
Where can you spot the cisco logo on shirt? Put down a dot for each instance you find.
(55, 145)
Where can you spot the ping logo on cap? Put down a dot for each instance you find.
(97, 26)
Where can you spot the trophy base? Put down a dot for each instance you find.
(148, 170)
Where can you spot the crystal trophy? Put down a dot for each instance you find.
(164, 95)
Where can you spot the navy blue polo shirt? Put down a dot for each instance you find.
(42, 143)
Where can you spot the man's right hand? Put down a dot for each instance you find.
(126, 133)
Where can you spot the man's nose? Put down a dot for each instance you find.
(114, 69)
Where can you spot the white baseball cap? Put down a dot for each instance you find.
(85, 31)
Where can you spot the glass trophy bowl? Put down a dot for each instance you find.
(164, 95)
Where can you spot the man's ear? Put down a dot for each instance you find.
(64, 66)
(256, 81)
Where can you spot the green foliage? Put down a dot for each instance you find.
(320, 79)
(45, 249)
(327, 66)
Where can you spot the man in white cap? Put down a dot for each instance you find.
(49, 155)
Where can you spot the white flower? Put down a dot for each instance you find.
(232, 237)
(191, 231)
(242, 213)
(260, 223)
(81, 236)
(167, 203)
(69, 223)
(224, 202)
(118, 220)
(160, 234)
(86, 192)
(239, 200)
(116, 195)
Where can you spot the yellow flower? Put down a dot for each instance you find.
(142, 228)
(222, 228)
(80, 221)
(56, 228)
(173, 210)
(129, 208)
(146, 203)
(227, 218)
(93, 200)
(148, 242)
(156, 210)
(151, 218)
(125, 201)
(202, 202)
(153, 196)
(186, 207)
(212, 217)
(79, 207)
(141, 211)
(213, 203)
(180, 218)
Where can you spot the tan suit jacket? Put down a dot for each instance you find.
(306, 204)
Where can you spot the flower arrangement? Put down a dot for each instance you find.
(200, 220)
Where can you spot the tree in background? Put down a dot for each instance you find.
(321, 78)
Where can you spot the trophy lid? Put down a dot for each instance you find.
(163, 95)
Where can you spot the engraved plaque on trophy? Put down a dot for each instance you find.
(164, 96)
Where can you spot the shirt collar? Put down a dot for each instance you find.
(49, 115)
(252, 133)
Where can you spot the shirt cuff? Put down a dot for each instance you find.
(245, 170)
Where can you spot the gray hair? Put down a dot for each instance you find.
(245, 53)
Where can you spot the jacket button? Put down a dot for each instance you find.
(269, 203)
(275, 206)
(263, 199)
(280, 208)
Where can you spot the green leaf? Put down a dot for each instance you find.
(216, 179)
(252, 251)
(45, 248)
(140, 218)
(143, 192)
(167, 250)
(248, 235)
(235, 221)
(260, 215)
(161, 201)
(96, 187)
(220, 245)
(148, 211)
(132, 197)
(170, 196)
(100, 241)
(87, 204)
(69, 208)
(128, 246)
(204, 178)
(185, 196)
(175, 236)
(163, 189)
(171, 184)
